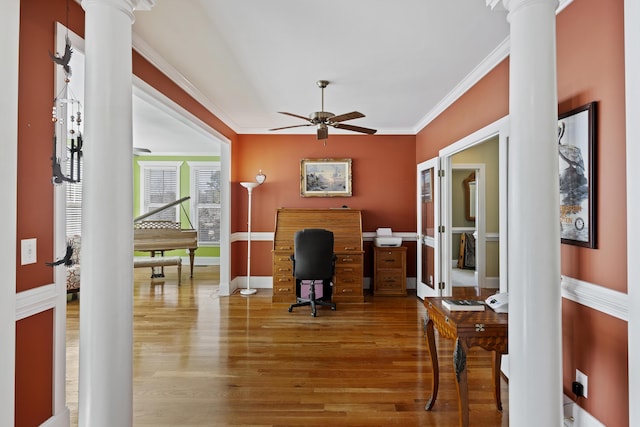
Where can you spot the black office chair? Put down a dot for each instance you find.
(313, 259)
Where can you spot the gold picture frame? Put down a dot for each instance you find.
(325, 178)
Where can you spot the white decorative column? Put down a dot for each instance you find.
(535, 323)
(9, 44)
(632, 99)
(106, 312)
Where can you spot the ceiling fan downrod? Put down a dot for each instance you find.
(322, 84)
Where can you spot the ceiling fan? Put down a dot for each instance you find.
(323, 119)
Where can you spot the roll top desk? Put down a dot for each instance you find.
(346, 225)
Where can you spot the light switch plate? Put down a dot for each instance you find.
(28, 249)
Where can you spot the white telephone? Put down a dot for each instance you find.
(499, 302)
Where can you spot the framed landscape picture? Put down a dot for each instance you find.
(325, 178)
(576, 148)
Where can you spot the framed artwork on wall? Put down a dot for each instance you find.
(325, 178)
(576, 148)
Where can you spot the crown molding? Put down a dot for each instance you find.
(150, 54)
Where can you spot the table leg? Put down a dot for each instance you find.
(460, 367)
(431, 343)
(497, 360)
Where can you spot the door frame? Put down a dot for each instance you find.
(498, 128)
(423, 290)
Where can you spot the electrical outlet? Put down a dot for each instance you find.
(584, 380)
(28, 251)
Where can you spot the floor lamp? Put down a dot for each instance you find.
(250, 186)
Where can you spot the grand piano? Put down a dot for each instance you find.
(159, 236)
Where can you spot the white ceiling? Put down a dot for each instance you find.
(396, 62)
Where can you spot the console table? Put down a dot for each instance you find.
(486, 329)
(346, 225)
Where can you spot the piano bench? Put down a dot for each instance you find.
(159, 261)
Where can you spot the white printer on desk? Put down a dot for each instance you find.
(385, 238)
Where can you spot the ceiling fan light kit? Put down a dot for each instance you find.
(322, 119)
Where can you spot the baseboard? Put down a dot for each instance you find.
(575, 416)
(63, 419)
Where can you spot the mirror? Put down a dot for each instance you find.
(470, 197)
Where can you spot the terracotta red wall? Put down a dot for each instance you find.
(34, 335)
(590, 62)
(34, 370)
(480, 106)
(591, 68)
(384, 187)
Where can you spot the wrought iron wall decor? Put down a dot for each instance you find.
(66, 116)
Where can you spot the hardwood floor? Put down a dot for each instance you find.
(205, 360)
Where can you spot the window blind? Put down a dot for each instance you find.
(160, 188)
(206, 204)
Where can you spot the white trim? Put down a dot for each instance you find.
(148, 53)
(225, 165)
(9, 46)
(34, 301)
(62, 419)
(599, 298)
(632, 98)
(576, 416)
(502, 51)
(150, 95)
(243, 236)
(477, 74)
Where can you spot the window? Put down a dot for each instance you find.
(205, 201)
(74, 205)
(160, 185)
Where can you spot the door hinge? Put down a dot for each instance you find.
(441, 285)
(441, 229)
(440, 173)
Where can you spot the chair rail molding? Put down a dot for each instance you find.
(608, 301)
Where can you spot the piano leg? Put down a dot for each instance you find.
(192, 254)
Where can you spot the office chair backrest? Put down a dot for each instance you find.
(313, 254)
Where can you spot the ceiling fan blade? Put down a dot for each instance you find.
(294, 115)
(323, 132)
(294, 126)
(354, 128)
(348, 116)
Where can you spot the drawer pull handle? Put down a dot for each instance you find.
(283, 259)
(347, 270)
(284, 290)
(344, 291)
(347, 259)
(284, 269)
(347, 248)
(284, 279)
(284, 248)
(389, 260)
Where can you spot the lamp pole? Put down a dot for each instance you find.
(249, 186)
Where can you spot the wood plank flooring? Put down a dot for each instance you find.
(205, 360)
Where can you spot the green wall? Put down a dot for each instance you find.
(185, 185)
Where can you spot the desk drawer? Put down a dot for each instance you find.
(388, 280)
(348, 293)
(389, 259)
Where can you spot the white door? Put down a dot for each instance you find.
(428, 247)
